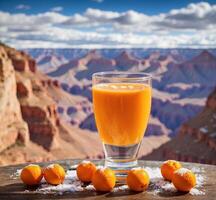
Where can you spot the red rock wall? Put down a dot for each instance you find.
(12, 126)
(37, 107)
(19, 65)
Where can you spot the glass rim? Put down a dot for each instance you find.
(104, 75)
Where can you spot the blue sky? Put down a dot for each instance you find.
(73, 6)
(108, 23)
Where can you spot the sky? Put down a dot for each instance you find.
(108, 23)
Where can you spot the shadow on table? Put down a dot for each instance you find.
(164, 193)
(20, 192)
(120, 194)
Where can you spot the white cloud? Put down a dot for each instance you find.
(99, 28)
(22, 7)
(56, 9)
(100, 15)
(7, 19)
(194, 17)
(76, 19)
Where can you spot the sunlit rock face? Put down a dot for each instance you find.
(30, 127)
(196, 138)
(12, 126)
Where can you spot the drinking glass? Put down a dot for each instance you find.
(121, 104)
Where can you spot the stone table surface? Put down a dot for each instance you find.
(13, 188)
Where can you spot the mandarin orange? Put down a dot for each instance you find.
(168, 168)
(104, 179)
(54, 174)
(31, 174)
(137, 179)
(184, 179)
(85, 171)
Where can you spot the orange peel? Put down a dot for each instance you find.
(54, 174)
(31, 174)
(184, 179)
(104, 179)
(85, 171)
(169, 167)
(137, 179)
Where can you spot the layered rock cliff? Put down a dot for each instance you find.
(37, 107)
(196, 140)
(12, 126)
(30, 128)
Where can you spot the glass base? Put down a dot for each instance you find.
(121, 159)
(121, 168)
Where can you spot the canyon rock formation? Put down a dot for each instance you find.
(196, 139)
(29, 118)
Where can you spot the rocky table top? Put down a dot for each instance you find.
(12, 188)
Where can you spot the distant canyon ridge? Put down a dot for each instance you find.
(182, 80)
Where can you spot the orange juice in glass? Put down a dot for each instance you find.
(122, 104)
